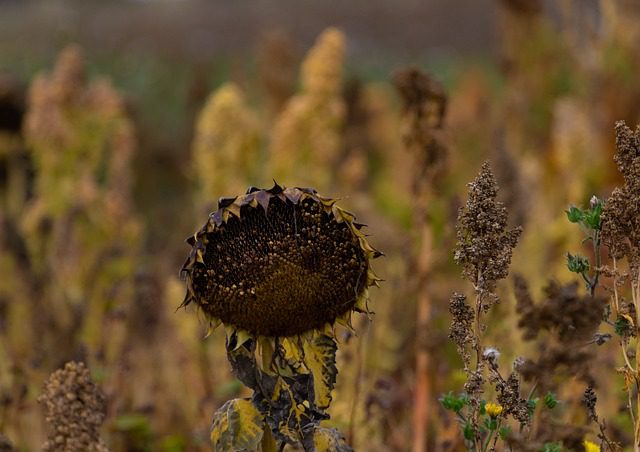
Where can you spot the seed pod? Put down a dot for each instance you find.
(279, 262)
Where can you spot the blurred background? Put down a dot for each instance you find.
(122, 123)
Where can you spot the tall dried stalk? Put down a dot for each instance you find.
(277, 61)
(621, 233)
(423, 115)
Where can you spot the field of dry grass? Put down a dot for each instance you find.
(497, 169)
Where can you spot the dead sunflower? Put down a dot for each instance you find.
(279, 268)
(279, 262)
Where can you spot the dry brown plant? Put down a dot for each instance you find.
(621, 234)
(75, 409)
(277, 60)
(424, 106)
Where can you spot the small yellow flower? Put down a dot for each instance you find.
(493, 409)
(590, 447)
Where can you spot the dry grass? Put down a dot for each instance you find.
(95, 204)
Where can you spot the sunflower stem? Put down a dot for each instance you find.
(268, 442)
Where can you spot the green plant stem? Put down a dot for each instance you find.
(598, 258)
(635, 295)
(478, 347)
(495, 438)
(486, 443)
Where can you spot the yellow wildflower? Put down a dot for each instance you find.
(590, 447)
(493, 409)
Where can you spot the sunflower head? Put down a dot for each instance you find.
(279, 262)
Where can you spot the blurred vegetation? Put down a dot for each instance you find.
(102, 179)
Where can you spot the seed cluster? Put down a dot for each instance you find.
(280, 271)
(75, 408)
(485, 243)
(621, 214)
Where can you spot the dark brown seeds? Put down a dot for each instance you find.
(281, 272)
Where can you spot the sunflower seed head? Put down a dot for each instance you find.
(278, 262)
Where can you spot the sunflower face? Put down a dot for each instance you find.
(279, 262)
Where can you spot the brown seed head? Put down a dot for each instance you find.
(485, 244)
(278, 262)
(621, 214)
(461, 329)
(75, 408)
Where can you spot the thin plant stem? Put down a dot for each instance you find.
(424, 387)
(623, 348)
(597, 255)
(486, 443)
(635, 282)
(495, 438)
(478, 348)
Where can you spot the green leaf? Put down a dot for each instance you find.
(551, 447)
(483, 403)
(531, 405)
(504, 432)
(622, 326)
(592, 217)
(491, 423)
(550, 400)
(320, 359)
(237, 425)
(468, 432)
(574, 214)
(577, 264)
(452, 402)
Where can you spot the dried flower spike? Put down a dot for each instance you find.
(621, 213)
(485, 244)
(75, 408)
(279, 262)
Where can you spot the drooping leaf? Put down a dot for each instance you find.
(290, 413)
(291, 353)
(237, 425)
(326, 440)
(320, 359)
